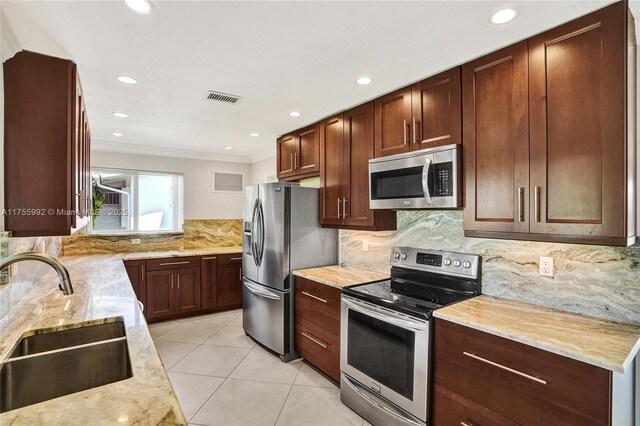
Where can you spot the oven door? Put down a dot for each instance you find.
(386, 352)
(423, 179)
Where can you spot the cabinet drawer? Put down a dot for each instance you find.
(318, 303)
(229, 258)
(173, 263)
(450, 409)
(520, 382)
(318, 346)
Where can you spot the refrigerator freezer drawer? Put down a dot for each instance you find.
(265, 315)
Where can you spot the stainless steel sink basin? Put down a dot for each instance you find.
(47, 368)
(45, 342)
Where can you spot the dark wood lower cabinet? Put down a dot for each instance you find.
(180, 286)
(317, 325)
(486, 379)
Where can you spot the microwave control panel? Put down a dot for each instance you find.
(443, 177)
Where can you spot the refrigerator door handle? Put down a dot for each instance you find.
(254, 246)
(261, 221)
(260, 292)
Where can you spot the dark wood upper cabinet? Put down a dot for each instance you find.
(437, 111)
(46, 147)
(346, 145)
(578, 128)
(298, 154)
(209, 281)
(546, 143)
(393, 123)
(496, 141)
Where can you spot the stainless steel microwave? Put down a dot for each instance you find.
(425, 179)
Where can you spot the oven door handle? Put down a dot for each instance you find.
(370, 400)
(425, 180)
(407, 324)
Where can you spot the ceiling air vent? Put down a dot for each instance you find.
(227, 182)
(223, 97)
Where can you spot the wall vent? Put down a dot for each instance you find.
(228, 182)
(223, 97)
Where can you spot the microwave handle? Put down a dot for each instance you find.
(425, 180)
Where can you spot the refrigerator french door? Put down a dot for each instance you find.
(281, 234)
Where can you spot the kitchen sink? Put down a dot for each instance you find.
(59, 363)
(44, 342)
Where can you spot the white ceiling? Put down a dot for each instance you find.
(279, 56)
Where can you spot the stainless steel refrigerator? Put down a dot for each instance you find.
(281, 234)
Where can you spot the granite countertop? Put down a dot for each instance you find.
(340, 276)
(102, 292)
(602, 343)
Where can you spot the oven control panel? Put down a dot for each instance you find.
(447, 263)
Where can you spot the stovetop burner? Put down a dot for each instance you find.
(422, 281)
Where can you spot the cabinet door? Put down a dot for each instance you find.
(393, 122)
(577, 101)
(188, 290)
(358, 149)
(209, 282)
(160, 294)
(287, 146)
(76, 162)
(331, 170)
(136, 273)
(437, 111)
(229, 285)
(496, 142)
(307, 157)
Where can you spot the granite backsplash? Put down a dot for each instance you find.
(198, 234)
(598, 281)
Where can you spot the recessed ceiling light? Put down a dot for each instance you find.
(503, 16)
(116, 134)
(228, 147)
(254, 134)
(143, 7)
(120, 114)
(127, 80)
(294, 114)
(364, 81)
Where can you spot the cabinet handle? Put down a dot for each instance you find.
(511, 370)
(344, 207)
(466, 424)
(293, 167)
(240, 274)
(236, 258)
(174, 263)
(313, 339)
(536, 202)
(338, 207)
(143, 272)
(520, 204)
(416, 123)
(314, 297)
(404, 130)
(172, 282)
(209, 258)
(295, 160)
(178, 280)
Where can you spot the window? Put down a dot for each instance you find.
(128, 201)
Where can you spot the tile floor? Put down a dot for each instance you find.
(221, 377)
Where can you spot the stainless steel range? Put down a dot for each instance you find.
(386, 333)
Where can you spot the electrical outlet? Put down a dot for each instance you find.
(135, 241)
(219, 232)
(365, 245)
(546, 266)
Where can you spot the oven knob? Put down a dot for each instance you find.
(447, 262)
(466, 264)
(456, 263)
(396, 255)
(403, 256)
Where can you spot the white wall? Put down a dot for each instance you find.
(262, 171)
(200, 202)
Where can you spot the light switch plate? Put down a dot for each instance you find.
(546, 266)
(365, 245)
(135, 241)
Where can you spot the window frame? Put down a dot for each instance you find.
(178, 202)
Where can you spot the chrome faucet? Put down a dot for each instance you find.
(63, 274)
